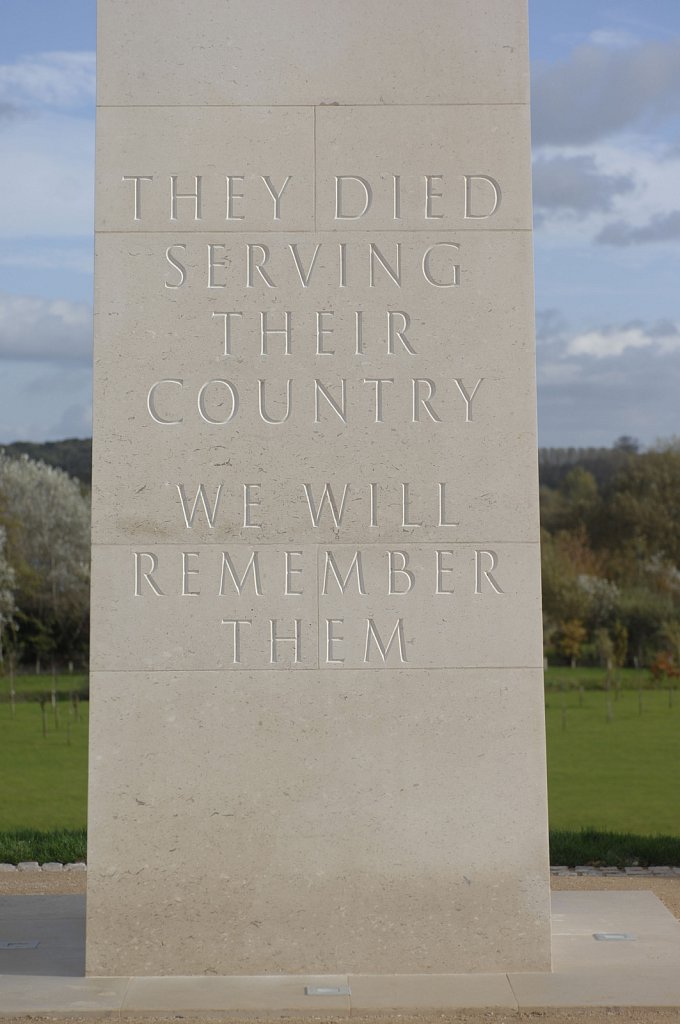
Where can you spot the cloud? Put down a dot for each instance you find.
(613, 39)
(75, 421)
(575, 184)
(41, 329)
(611, 341)
(44, 256)
(662, 228)
(600, 90)
(635, 173)
(550, 325)
(47, 175)
(44, 401)
(60, 79)
(47, 138)
(596, 385)
(614, 341)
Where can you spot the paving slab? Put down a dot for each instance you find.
(280, 994)
(578, 916)
(604, 988)
(41, 972)
(371, 992)
(20, 995)
(56, 923)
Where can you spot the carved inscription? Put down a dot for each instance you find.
(434, 196)
(326, 503)
(367, 366)
(325, 604)
(218, 402)
(272, 266)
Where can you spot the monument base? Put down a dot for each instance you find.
(638, 970)
(322, 825)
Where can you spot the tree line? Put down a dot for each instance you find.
(610, 531)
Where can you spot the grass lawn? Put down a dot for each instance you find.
(564, 677)
(619, 775)
(44, 779)
(77, 682)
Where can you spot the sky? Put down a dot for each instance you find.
(606, 126)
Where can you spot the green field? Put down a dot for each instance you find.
(611, 766)
(32, 685)
(590, 678)
(44, 778)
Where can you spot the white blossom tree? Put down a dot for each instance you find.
(7, 603)
(47, 523)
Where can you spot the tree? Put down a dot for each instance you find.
(627, 444)
(643, 507)
(603, 600)
(605, 646)
(571, 640)
(619, 636)
(47, 521)
(574, 502)
(7, 603)
(662, 667)
(670, 634)
(570, 578)
(611, 548)
(579, 487)
(641, 611)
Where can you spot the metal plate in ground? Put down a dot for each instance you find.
(337, 990)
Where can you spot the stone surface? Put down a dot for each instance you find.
(491, 137)
(485, 459)
(247, 143)
(262, 994)
(55, 995)
(55, 925)
(576, 915)
(376, 993)
(372, 837)
(642, 972)
(317, 706)
(645, 973)
(486, 463)
(611, 988)
(458, 628)
(250, 52)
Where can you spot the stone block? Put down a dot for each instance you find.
(317, 738)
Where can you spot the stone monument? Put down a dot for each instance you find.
(317, 707)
